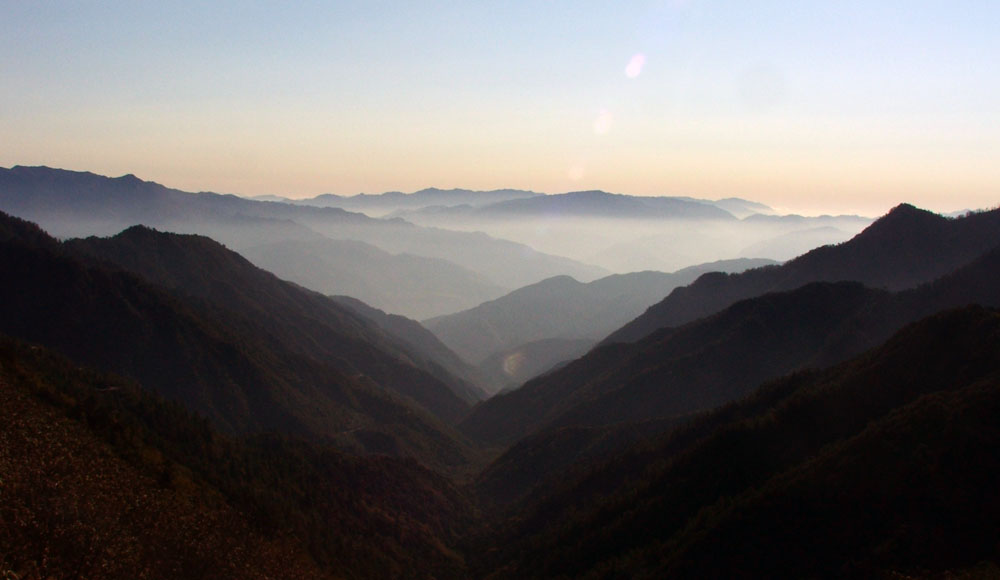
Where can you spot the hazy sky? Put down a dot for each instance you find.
(808, 106)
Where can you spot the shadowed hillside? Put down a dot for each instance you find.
(422, 344)
(906, 247)
(103, 480)
(886, 463)
(220, 363)
(658, 381)
(289, 316)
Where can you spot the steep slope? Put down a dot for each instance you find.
(904, 248)
(421, 345)
(231, 368)
(563, 308)
(884, 464)
(289, 316)
(509, 369)
(696, 367)
(73, 507)
(101, 479)
(404, 284)
(720, 358)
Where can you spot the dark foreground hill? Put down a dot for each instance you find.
(290, 316)
(623, 393)
(103, 480)
(883, 466)
(904, 248)
(719, 358)
(229, 362)
(423, 346)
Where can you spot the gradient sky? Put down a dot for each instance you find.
(842, 106)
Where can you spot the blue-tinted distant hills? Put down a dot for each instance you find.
(564, 308)
(79, 204)
(392, 201)
(502, 202)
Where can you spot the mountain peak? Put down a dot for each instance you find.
(906, 209)
(903, 218)
(129, 178)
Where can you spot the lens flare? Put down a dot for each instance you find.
(513, 362)
(635, 64)
(602, 124)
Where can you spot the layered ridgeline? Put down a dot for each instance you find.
(622, 392)
(627, 233)
(422, 345)
(77, 204)
(563, 308)
(884, 466)
(434, 201)
(402, 283)
(904, 248)
(102, 479)
(231, 342)
(394, 201)
(292, 317)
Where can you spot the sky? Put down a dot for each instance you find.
(812, 107)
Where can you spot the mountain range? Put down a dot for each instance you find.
(904, 248)
(882, 466)
(658, 381)
(80, 204)
(562, 308)
(170, 409)
(197, 323)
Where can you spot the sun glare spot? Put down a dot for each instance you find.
(635, 64)
(602, 124)
(512, 363)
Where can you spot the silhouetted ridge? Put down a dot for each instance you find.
(291, 317)
(218, 359)
(904, 248)
(720, 358)
(882, 466)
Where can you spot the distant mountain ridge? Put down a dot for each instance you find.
(80, 204)
(603, 204)
(902, 249)
(501, 201)
(563, 308)
(395, 200)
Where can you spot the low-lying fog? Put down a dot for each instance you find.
(628, 245)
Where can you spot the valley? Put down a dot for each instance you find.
(429, 385)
